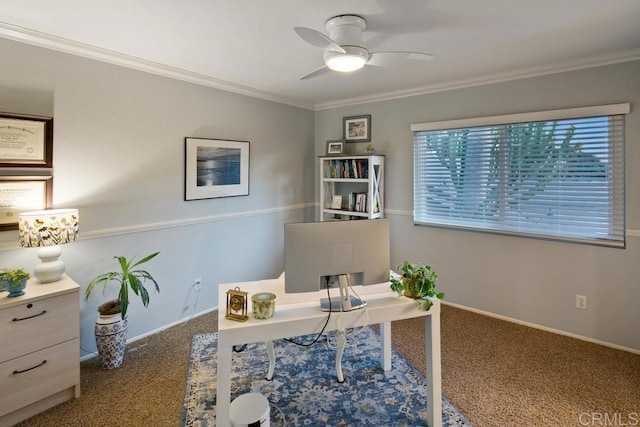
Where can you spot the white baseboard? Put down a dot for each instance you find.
(155, 331)
(544, 328)
(462, 307)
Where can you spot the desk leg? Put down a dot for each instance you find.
(223, 396)
(434, 373)
(341, 342)
(385, 346)
(272, 359)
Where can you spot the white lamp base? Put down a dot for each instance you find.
(50, 268)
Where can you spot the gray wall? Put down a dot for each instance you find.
(118, 158)
(529, 280)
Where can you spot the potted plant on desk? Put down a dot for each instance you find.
(111, 325)
(418, 281)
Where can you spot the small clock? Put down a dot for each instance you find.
(237, 305)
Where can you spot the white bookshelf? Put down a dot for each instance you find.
(358, 181)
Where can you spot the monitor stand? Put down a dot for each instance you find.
(346, 302)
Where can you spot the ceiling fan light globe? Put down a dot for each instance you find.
(353, 59)
(345, 63)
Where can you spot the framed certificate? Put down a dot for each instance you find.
(26, 141)
(21, 194)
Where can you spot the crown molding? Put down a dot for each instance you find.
(523, 73)
(36, 38)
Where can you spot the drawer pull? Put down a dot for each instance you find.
(15, 319)
(29, 369)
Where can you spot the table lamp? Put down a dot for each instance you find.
(46, 230)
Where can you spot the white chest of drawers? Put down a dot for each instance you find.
(39, 349)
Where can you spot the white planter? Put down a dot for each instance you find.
(111, 337)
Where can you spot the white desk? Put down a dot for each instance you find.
(299, 314)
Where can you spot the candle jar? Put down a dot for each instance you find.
(264, 305)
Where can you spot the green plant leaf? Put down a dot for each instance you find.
(134, 283)
(417, 279)
(144, 295)
(124, 265)
(145, 259)
(127, 278)
(124, 300)
(146, 276)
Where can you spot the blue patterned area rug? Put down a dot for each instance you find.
(304, 390)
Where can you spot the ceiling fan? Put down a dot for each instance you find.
(344, 49)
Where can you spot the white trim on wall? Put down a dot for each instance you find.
(36, 38)
(461, 307)
(140, 228)
(524, 73)
(91, 355)
(543, 328)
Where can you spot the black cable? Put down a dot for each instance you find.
(323, 328)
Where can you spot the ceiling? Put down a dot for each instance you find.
(249, 46)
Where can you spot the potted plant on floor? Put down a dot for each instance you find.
(111, 325)
(418, 281)
(13, 280)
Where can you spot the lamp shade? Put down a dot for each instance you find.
(48, 228)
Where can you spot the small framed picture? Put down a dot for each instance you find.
(336, 201)
(335, 148)
(357, 128)
(215, 168)
(26, 141)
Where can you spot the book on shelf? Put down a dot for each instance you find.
(343, 217)
(358, 202)
(347, 168)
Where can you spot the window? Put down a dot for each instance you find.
(556, 174)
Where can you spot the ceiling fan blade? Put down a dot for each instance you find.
(320, 71)
(387, 59)
(316, 38)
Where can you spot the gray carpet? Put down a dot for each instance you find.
(495, 372)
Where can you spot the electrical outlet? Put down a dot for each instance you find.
(581, 302)
(197, 283)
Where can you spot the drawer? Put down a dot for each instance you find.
(34, 325)
(35, 376)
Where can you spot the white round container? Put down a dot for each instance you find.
(249, 410)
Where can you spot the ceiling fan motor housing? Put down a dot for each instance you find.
(346, 30)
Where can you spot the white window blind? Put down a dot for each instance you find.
(556, 174)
